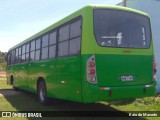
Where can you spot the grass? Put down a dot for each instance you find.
(3, 84)
(3, 87)
(3, 78)
(24, 101)
(142, 104)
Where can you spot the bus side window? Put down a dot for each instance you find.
(63, 48)
(75, 38)
(9, 59)
(16, 58)
(19, 55)
(44, 54)
(63, 41)
(13, 57)
(32, 51)
(75, 29)
(52, 44)
(27, 51)
(74, 46)
(38, 46)
(23, 53)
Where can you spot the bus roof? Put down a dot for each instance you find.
(75, 14)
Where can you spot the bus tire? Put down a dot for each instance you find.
(42, 92)
(12, 83)
(11, 80)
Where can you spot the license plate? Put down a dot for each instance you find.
(127, 77)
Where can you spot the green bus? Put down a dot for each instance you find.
(98, 53)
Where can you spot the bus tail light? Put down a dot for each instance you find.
(91, 64)
(154, 69)
(91, 70)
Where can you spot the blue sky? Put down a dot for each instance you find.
(20, 19)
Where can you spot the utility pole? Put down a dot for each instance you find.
(124, 3)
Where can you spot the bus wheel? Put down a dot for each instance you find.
(12, 83)
(42, 92)
(11, 80)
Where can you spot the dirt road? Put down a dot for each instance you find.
(8, 92)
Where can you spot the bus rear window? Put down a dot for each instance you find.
(121, 29)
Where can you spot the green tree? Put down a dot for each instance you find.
(2, 61)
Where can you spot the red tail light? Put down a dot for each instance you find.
(91, 70)
(91, 64)
(154, 69)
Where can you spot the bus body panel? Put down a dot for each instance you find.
(125, 70)
(10, 73)
(35, 71)
(62, 77)
(115, 89)
(93, 93)
(21, 76)
(24, 76)
(69, 78)
(50, 77)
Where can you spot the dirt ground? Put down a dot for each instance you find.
(2, 73)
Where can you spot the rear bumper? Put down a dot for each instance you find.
(94, 93)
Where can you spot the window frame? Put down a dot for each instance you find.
(126, 12)
(55, 44)
(32, 51)
(19, 54)
(69, 23)
(47, 46)
(23, 53)
(27, 52)
(13, 57)
(36, 49)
